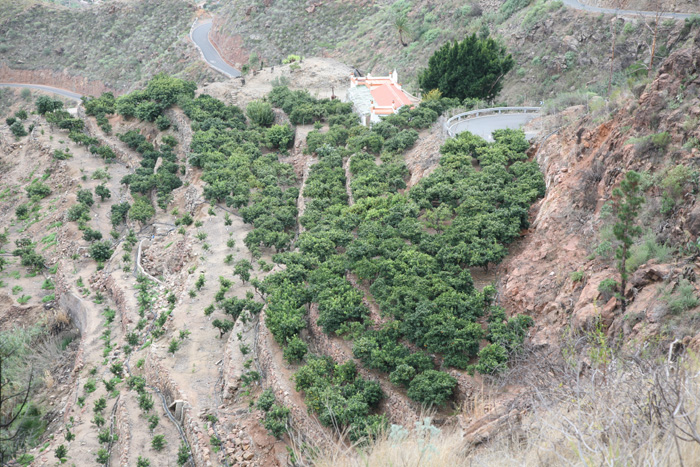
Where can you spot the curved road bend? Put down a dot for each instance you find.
(484, 126)
(576, 4)
(61, 92)
(200, 37)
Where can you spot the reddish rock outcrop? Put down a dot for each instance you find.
(582, 162)
(57, 79)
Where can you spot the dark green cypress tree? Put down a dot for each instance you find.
(472, 68)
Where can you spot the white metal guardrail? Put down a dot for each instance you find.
(450, 123)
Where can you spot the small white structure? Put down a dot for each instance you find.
(376, 96)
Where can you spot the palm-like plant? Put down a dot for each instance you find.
(401, 25)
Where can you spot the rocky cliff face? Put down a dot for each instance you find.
(583, 160)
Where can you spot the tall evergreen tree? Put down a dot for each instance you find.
(627, 203)
(472, 68)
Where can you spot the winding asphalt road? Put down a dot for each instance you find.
(61, 92)
(594, 9)
(200, 37)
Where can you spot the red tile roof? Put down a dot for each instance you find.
(389, 95)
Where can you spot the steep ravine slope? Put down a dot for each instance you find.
(558, 267)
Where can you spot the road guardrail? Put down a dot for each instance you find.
(451, 122)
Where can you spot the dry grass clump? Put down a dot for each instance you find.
(623, 411)
(423, 445)
(613, 411)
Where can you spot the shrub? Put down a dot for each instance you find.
(119, 212)
(402, 375)
(648, 248)
(183, 454)
(78, 212)
(85, 197)
(291, 58)
(23, 299)
(336, 393)
(276, 420)
(101, 251)
(169, 140)
(661, 140)
(683, 298)
(577, 276)
(432, 387)
(145, 402)
(608, 287)
(260, 113)
(279, 136)
(91, 235)
(492, 359)
(163, 122)
(158, 442)
(201, 280)
(296, 350)
(61, 155)
(402, 141)
(22, 212)
(675, 183)
(186, 219)
(242, 269)
(38, 190)
(61, 452)
(102, 456)
(266, 399)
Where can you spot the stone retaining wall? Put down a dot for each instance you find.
(122, 428)
(123, 155)
(158, 376)
(301, 421)
(118, 296)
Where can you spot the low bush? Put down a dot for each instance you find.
(432, 388)
(260, 113)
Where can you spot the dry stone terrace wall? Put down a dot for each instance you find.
(122, 429)
(119, 299)
(124, 155)
(158, 376)
(184, 135)
(305, 426)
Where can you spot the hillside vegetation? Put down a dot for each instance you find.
(556, 49)
(118, 43)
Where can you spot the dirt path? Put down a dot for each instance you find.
(348, 179)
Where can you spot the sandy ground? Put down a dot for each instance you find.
(322, 77)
